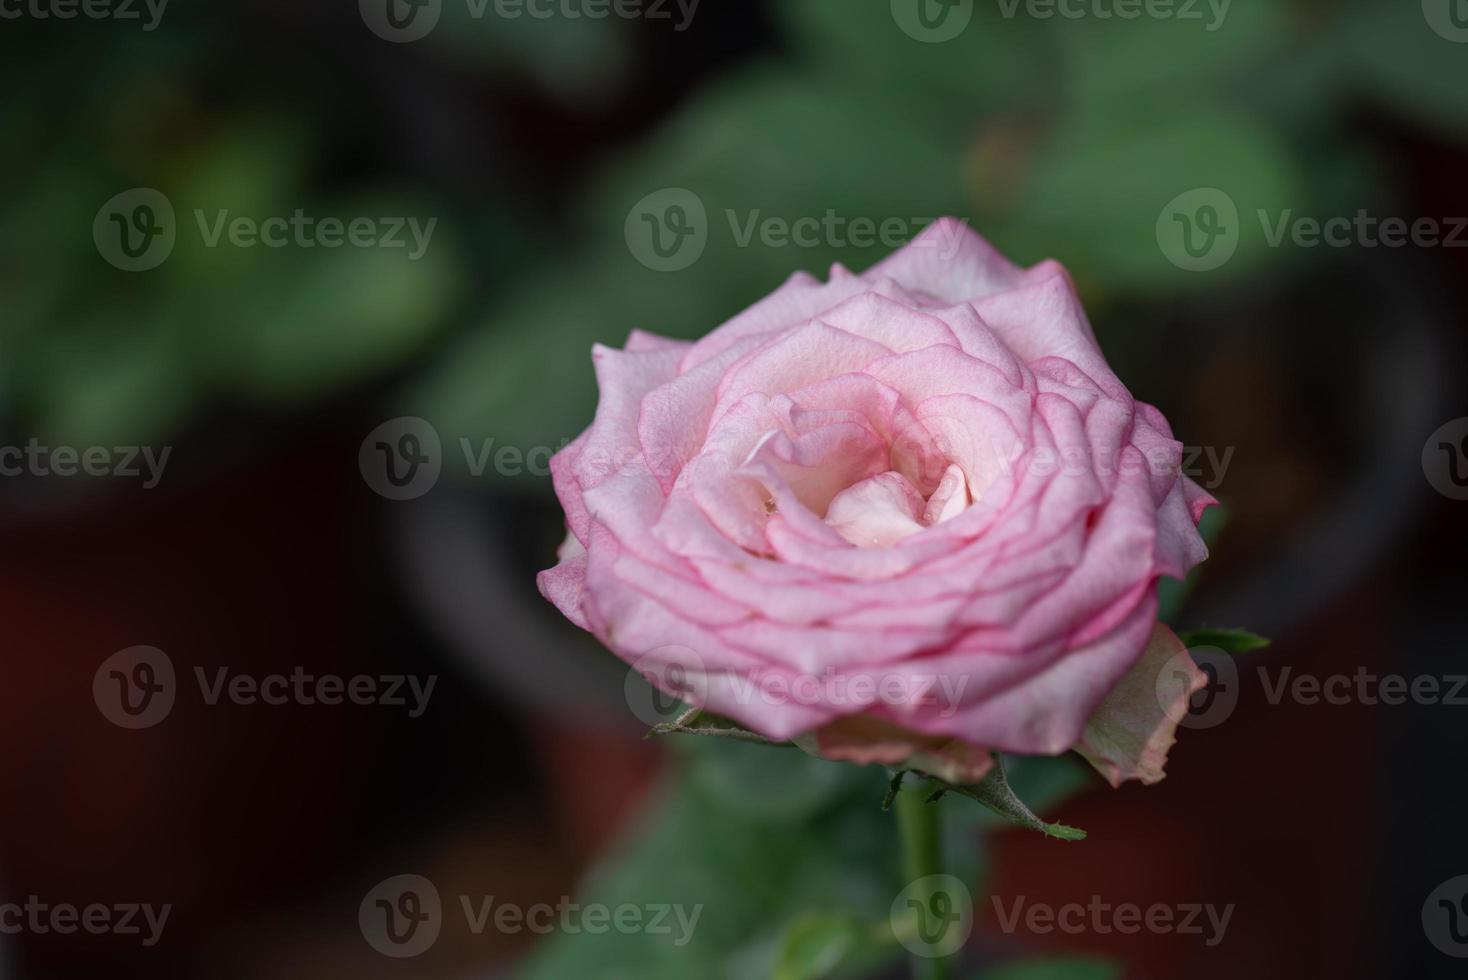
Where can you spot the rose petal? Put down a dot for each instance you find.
(872, 741)
(950, 263)
(878, 512)
(1130, 733)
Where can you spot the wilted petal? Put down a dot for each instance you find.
(1129, 735)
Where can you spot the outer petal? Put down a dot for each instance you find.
(870, 741)
(565, 584)
(1129, 735)
(641, 340)
(1043, 319)
(949, 263)
(622, 379)
(800, 298)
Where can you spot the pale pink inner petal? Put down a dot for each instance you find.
(950, 499)
(877, 512)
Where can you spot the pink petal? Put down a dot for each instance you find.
(565, 584)
(674, 418)
(622, 378)
(641, 340)
(568, 488)
(890, 323)
(802, 357)
(798, 300)
(866, 740)
(877, 512)
(1044, 319)
(950, 499)
(1131, 731)
(950, 263)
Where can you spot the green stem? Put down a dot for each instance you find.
(922, 857)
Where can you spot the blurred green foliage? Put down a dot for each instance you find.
(93, 354)
(1056, 138)
(792, 857)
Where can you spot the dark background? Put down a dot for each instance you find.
(264, 549)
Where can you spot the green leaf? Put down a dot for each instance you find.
(994, 792)
(1069, 968)
(1227, 640)
(825, 945)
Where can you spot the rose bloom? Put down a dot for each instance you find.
(908, 517)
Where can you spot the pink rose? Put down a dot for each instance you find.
(908, 517)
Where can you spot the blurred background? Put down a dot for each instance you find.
(244, 245)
